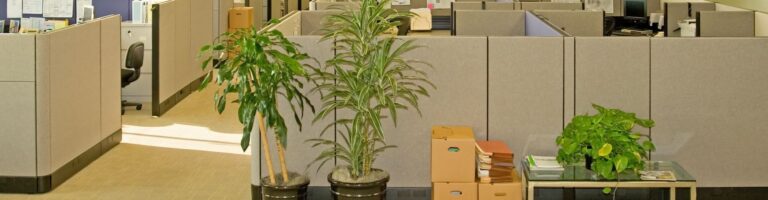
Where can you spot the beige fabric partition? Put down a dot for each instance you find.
(111, 120)
(459, 65)
(708, 98)
(550, 6)
(183, 26)
(487, 23)
(312, 21)
(322, 5)
(612, 72)
(467, 5)
(575, 22)
(725, 24)
(290, 25)
(674, 12)
(17, 119)
(299, 153)
(500, 6)
(525, 93)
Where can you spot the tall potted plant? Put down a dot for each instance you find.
(606, 142)
(262, 69)
(370, 79)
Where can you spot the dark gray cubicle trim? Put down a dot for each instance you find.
(43, 184)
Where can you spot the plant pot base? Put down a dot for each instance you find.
(376, 190)
(290, 192)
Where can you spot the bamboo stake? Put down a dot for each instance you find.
(265, 146)
(281, 155)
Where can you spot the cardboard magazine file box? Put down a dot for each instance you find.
(454, 191)
(501, 191)
(240, 17)
(453, 154)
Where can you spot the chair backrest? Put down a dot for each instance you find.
(135, 58)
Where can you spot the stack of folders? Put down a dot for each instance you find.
(543, 163)
(494, 162)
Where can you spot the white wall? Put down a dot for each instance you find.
(761, 24)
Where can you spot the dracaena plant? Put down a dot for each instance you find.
(262, 68)
(609, 139)
(369, 78)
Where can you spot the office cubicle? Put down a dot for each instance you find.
(62, 108)
(533, 86)
(516, 23)
(179, 29)
(575, 22)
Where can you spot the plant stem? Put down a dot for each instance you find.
(265, 146)
(281, 156)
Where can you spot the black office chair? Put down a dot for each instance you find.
(133, 60)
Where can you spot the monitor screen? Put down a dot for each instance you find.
(634, 8)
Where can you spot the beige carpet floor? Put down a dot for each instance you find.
(191, 152)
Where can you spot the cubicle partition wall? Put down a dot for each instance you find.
(575, 22)
(179, 29)
(725, 24)
(524, 90)
(676, 11)
(550, 6)
(535, 26)
(62, 104)
(708, 97)
(487, 23)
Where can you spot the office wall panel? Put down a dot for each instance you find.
(110, 76)
(500, 6)
(708, 101)
(312, 21)
(468, 5)
(486, 23)
(576, 23)
(17, 130)
(184, 68)
(201, 19)
(551, 6)
(299, 153)
(726, 24)
(459, 72)
(525, 93)
(17, 54)
(166, 51)
(761, 24)
(43, 102)
(74, 91)
(290, 25)
(223, 18)
(613, 72)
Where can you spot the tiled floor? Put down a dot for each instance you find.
(191, 152)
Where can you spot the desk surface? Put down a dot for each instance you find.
(580, 173)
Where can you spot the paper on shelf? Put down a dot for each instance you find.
(33, 7)
(58, 8)
(14, 9)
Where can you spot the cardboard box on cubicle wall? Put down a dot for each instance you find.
(454, 191)
(240, 17)
(501, 191)
(453, 154)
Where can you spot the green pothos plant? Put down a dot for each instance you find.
(608, 138)
(368, 77)
(261, 68)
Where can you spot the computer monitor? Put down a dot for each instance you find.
(87, 13)
(635, 8)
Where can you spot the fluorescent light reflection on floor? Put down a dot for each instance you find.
(181, 136)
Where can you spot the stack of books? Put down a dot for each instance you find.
(544, 163)
(495, 162)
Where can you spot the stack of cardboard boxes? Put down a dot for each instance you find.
(240, 18)
(453, 169)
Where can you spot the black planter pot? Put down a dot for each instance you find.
(376, 190)
(588, 162)
(295, 192)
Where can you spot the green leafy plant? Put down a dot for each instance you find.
(261, 68)
(368, 77)
(607, 137)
